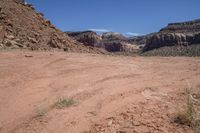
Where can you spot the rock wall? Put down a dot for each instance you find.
(175, 34)
(113, 36)
(183, 27)
(88, 38)
(110, 41)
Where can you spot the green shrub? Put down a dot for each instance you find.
(63, 103)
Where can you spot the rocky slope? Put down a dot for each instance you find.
(116, 42)
(140, 40)
(22, 27)
(176, 34)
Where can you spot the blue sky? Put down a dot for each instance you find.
(125, 16)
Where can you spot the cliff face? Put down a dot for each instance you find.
(175, 34)
(113, 36)
(110, 41)
(184, 27)
(88, 38)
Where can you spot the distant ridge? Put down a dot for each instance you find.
(184, 36)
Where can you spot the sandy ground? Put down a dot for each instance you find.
(112, 94)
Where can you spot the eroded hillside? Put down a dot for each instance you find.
(22, 27)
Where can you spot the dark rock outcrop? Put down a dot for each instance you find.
(119, 46)
(140, 40)
(175, 34)
(113, 36)
(21, 1)
(112, 46)
(88, 38)
(116, 42)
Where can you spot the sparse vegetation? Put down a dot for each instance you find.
(66, 49)
(63, 103)
(40, 111)
(190, 114)
(191, 51)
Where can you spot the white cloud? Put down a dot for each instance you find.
(132, 34)
(100, 30)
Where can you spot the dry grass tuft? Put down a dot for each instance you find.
(63, 103)
(190, 113)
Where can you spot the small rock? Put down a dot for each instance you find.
(41, 14)
(28, 56)
(10, 29)
(11, 37)
(31, 6)
(10, 43)
(110, 123)
(2, 16)
(121, 132)
(21, 1)
(47, 22)
(33, 40)
(102, 129)
(19, 45)
(18, 40)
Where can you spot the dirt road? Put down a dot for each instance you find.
(112, 94)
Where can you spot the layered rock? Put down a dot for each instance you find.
(110, 41)
(140, 40)
(183, 27)
(175, 34)
(112, 46)
(88, 38)
(117, 46)
(113, 36)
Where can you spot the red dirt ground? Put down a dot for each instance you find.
(112, 94)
